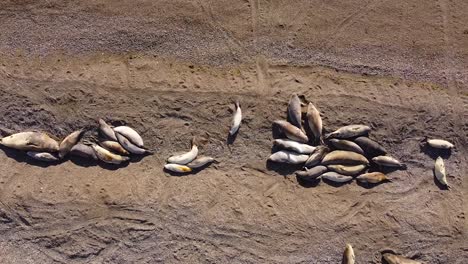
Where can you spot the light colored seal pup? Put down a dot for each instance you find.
(336, 177)
(396, 259)
(388, 161)
(370, 147)
(84, 151)
(372, 177)
(294, 111)
(349, 131)
(34, 141)
(107, 156)
(200, 162)
(343, 144)
(185, 158)
(294, 146)
(129, 146)
(344, 157)
(177, 168)
(289, 157)
(114, 147)
(439, 143)
(311, 174)
(42, 156)
(106, 130)
(130, 134)
(348, 255)
(236, 120)
(317, 156)
(68, 142)
(292, 132)
(315, 121)
(347, 170)
(439, 171)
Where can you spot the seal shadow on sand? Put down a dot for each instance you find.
(22, 157)
(336, 184)
(368, 185)
(437, 183)
(231, 138)
(308, 183)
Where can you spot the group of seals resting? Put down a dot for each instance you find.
(390, 258)
(188, 161)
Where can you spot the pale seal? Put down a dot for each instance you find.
(185, 158)
(343, 144)
(317, 156)
(439, 143)
(68, 142)
(42, 156)
(347, 170)
(396, 259)
(312, 173)
(315, 121)
(439, 171)
(284, 156)
(107, 156)
(106, 130)
(129, 146)
(34, 141)
(348, 255)
(372, 177)
(200, 162)
(236, 120)
(349, 131)
(130, 134)
(344, 157)
(336, 177)
(294, 111)
(84, 151)
(292, 132)
(177, 168)
(388, 161)
(370, 147)
(294, 146)
(114, 147)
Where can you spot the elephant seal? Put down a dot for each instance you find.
(68, 142)
(34, 141)
(372, 177)
(343, 144)
(349, 131)
(129, 146)
(311, 174)
(114, 147)
(317, 156)
(106, 130)
(107, 156)
(42, 156)
(336, 177)
(439, 171)
(236, 120)
(439, 143)
(388, 161)
(292, 132)
(289, 157)
(84, 151)
(185, 158)
(130, 134)
(347, 170)
(200, 162)
(315, 121)
(370, 147)
(396, 259)
(344, 157)
(294, 111)
(294, 146)
(348, 255)
(177, 168)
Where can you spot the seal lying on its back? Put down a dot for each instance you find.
(396, 259)
(349, 131)
(236, 120)
(348, 255)
(34, 141)
(67, 143)
(294, 111)
(42, 156)
(292, 132)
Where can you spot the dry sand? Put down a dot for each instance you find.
(172, 69)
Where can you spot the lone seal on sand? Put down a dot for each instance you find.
(348, 255)
(236, 119)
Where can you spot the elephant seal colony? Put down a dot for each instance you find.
(188, 162)
(114, 146)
